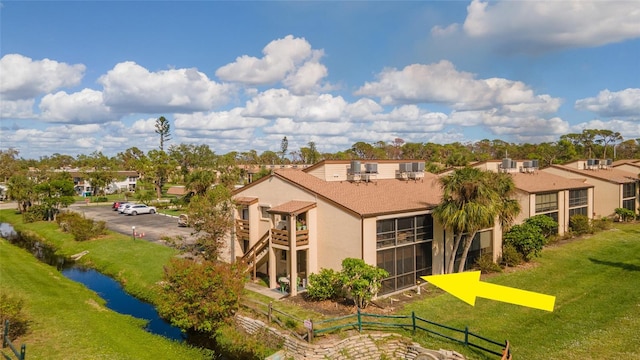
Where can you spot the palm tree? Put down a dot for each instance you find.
(469, 204)
(200, 181)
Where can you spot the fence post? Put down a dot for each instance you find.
(270, 310)
(359, 321)
(466, 336)
(23, 352)
(5, 333)
(310, 332)
(413, 321)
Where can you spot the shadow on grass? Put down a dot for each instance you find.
(624, 266)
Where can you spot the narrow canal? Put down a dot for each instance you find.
(110, 290)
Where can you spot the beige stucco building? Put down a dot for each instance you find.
(613, 188)
(543, 193)
(295, 222)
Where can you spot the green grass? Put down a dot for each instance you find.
(137, 265)
(597, 315)
(68, 321)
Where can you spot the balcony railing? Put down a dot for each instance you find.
(242, 229)
(281, 237)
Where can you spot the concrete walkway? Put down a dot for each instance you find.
(272, 293)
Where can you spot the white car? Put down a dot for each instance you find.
(122, 207)
(136, 209)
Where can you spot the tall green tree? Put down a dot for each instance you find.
(606, 137)
(163, 128)
(212, 217)
(8, 163)
(22, 190)
(284, 145)
(199, 181)
(469, 204)
(55, 194)
(159, 169)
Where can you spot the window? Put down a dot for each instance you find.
(546, 202)
(264, 214)
(629, 204)
(578, 211)
(629, 190)
(404, 250)
(480, 244)
(578, 197)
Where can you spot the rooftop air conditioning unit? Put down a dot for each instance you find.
(417, 167)
(405, 167)
(371, 168)
(355, 167)
(534, 163)
(609, 162)
(590, 162)
(506, 163)
(526, 164)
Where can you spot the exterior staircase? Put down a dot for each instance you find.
(257, 253)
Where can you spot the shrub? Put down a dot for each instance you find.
(237, 344)
(102, 199)
(80, 227)
(527, 239)
(35, 213)
(11, 310)
(361, 281)
(601, 224)
(486, 265)
(324, 285)
(547, 225)
(580, 224)
(625, 214)
(511, 256)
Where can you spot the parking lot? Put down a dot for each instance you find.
(153, 226)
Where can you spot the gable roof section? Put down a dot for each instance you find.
(294, 207)
(370, 199)
(541, 181)
(615, 176)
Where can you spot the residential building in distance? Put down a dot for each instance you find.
(297, 221)
(613, 187)
(542, 193)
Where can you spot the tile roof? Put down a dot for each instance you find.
(541, 181)
(612, 175)
(246, 200)
(374, 198)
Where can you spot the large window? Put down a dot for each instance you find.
(481, 244)
(578, 197)
(404, 250)
(629, 190)
(546, 202)
(629, 204)
(578, 202)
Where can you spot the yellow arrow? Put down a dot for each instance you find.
(467, 286)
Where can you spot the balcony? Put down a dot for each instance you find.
(242, 229)
(281, 237)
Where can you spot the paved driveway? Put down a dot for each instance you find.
(155, 227)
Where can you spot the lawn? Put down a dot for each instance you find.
(597, 314)
(68, 321)
(137, 265)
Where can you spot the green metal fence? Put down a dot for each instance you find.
(413, 323)
(7, 342)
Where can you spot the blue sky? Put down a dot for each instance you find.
(76, 77)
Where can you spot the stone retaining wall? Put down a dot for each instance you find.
(375, 345)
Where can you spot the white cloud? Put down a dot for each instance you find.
(223, 120)
(617, 103)
(17, 109)
(629, 129)
(290, 60)
(289, 126)
(129, 87)
(23, 78)
(528, 26)
(86, 106)
(280, 103)
(442, 83)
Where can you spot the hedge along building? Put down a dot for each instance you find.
(295, 222)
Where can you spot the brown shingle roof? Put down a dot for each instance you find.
(375, 198)
(293, 207)
(246, 200)
(541, 181)
(612, 175)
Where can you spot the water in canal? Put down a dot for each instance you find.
(110, 290)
